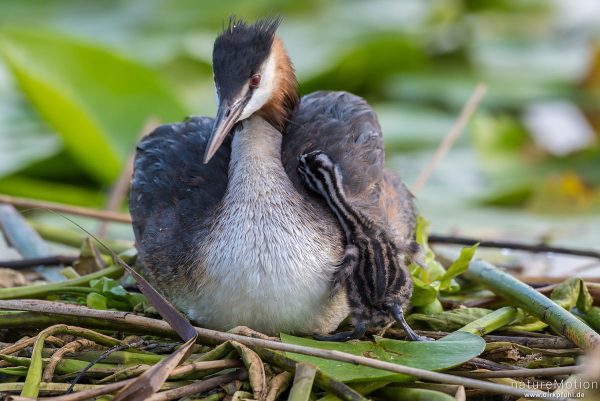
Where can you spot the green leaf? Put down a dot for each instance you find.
(27, 187)
(572, 293)
(116, 294)
(97, 101)
(423, 294)
(108, 286)
(457, 267)
(434, 268)
(96, 301)
(450, 351)
(432, 308)
(24, 138)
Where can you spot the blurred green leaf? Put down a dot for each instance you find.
(27, 187)
(96, 100)
(450, 351)
(24, 139)
(423, 293)
(573, 293)
(96, 301)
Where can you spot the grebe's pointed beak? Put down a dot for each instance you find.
(227, 116)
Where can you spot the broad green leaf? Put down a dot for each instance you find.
(24, 138)
(97, 101)
(28, 187)
(452, 350)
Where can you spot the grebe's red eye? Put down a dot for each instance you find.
(255, 81)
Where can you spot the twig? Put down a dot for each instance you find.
(58, 207)
(554, 342)
(11, 349)
(119, 191)
(538, 248)
(481, 363)
(100, 358)
(199, 386)
(57, 356)
(558, 371)
(450, 137)
(125, 319)
(74, 238)
(32, 262)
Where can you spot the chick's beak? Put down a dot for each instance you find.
(227, 116)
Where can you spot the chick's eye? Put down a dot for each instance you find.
(255, 80)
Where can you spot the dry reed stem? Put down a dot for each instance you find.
(69, 209)
(451, 137)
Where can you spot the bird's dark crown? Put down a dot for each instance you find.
(240, 50)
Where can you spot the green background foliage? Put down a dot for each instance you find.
(78, 81)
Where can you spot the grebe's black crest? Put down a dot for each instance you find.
(240, 50)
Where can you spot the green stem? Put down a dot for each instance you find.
(65, 366)
(40, 290)
(535, 303)
(121, 357)
(75, 238)
(303, 382)
(492, 321)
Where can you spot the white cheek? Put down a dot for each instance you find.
(263, 93)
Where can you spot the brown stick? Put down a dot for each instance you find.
(450, 137)
(199, 386)
(58, 207)
(32, 262)
(558, 371)
(537, 248)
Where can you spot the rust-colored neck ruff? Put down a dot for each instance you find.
(284, 100)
